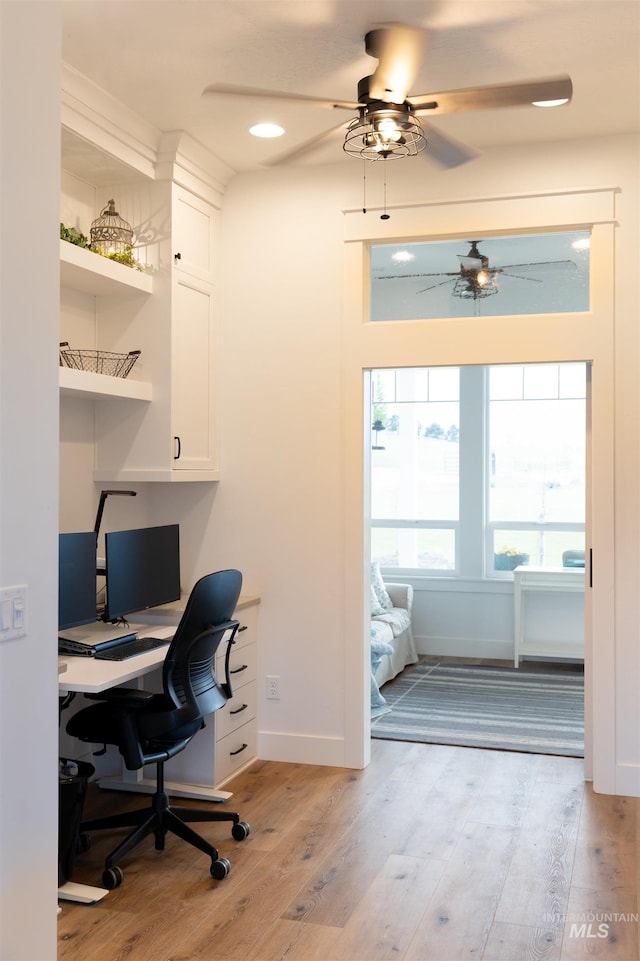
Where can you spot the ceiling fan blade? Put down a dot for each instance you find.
(445, 150)
(399, 50)
(505, 273)
(499, 95)
(543, 265)
(438, 273)
(304, 148)
(228, 89)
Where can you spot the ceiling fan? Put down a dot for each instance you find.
(476, 279)
(387, 126)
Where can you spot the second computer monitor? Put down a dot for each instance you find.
(142, 569)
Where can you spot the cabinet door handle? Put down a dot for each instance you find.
(239, 710)
(176, 456)
(177, 256)
(239, 670)
(239, 751)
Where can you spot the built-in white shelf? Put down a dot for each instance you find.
(85, 384)
(87, 271)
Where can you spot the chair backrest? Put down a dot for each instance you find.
(189, 677)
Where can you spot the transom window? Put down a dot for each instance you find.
(517, 274)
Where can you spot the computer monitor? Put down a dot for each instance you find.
(76, 579)
(142, 569)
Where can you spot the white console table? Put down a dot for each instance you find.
(551, 625)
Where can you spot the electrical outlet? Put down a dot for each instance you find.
(273, 687)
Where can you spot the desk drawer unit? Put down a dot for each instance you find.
(230, 738)
(235, 750)
(236, 712)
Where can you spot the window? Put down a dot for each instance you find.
(415, 490)
(532, 274)
(477, 469)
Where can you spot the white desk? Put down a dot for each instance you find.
(557, 628)
(90, 676)
(87, 675)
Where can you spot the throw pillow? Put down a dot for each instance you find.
(376, 606)
(378, 586)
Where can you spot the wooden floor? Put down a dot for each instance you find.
(432, 853)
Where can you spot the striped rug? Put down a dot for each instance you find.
(509, 709)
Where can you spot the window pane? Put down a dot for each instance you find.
(522, 274)
(537, 450)
(415, 455)
(417, 549)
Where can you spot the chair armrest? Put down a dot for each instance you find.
(401, 595)
(123, 695)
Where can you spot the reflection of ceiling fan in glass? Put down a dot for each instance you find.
(476, 279)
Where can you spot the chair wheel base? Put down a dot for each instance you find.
(240, 831)
(112, 878)
(220, 869)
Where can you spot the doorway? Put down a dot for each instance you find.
(475, 472)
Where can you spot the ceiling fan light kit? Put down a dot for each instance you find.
(384, 134)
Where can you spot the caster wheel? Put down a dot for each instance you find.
(84, 843)
(220, 869)
(112, 878)
(240, 831)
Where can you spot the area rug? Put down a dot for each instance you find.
(510, 709)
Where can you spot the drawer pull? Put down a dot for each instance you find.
(239, 670)
(243, 627)
(239, 710)
(239, 751)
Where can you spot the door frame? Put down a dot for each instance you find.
(484, 341)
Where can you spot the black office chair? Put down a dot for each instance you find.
(151, 728)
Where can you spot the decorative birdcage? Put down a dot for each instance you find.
(110, 234)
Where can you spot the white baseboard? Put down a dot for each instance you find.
(628, 780)
(301, 748)
(465, 647)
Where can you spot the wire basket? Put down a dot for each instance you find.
(98, 361)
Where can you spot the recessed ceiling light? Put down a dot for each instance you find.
(266, 130)
(402, 256)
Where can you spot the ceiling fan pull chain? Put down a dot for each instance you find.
(364, 186)
(385, 215)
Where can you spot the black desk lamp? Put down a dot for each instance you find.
(103, 497)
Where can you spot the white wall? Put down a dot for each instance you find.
(280, 504)
(30, 108)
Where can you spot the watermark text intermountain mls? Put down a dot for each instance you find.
(592, 924)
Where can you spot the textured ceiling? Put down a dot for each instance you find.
(157, 56)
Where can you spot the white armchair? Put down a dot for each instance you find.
(393, 627)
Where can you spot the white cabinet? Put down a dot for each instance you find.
(164, 424)
(548, 612)
(194, 334)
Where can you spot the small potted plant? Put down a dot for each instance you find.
(508, 558)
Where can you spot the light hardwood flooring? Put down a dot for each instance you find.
(432, 853)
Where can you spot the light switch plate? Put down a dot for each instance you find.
(13, 612)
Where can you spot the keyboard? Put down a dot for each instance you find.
(139, 645)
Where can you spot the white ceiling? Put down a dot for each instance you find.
(157, 56)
